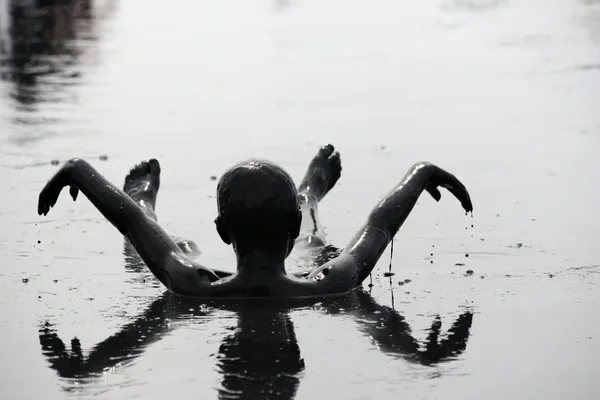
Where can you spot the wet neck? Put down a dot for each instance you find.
(260, 265)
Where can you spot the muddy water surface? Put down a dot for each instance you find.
(504, 94)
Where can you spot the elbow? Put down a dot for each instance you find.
(423, 163)
(424, 168)
(426, 165)
(75, 164)
(72, 169)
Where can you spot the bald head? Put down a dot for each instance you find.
(258, 205)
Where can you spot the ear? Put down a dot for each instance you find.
(295, 231)
(222, 230)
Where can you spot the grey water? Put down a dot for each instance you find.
(503, 93)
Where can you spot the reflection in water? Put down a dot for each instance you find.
(251, 365)
(42, 46)
(41, 42)
(125, 345)
(133, 262)
(254, 367)
(393, 334)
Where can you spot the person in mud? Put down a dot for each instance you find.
(260, 213)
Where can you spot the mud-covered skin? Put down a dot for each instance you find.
(183, 276)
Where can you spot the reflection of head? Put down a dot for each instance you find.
(258, 207)
(255, 368)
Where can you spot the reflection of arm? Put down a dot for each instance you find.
(125, 345)
(456, 342)
(393, 334)
(386, 326)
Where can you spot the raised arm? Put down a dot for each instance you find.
(160, 253)
(359, 257)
